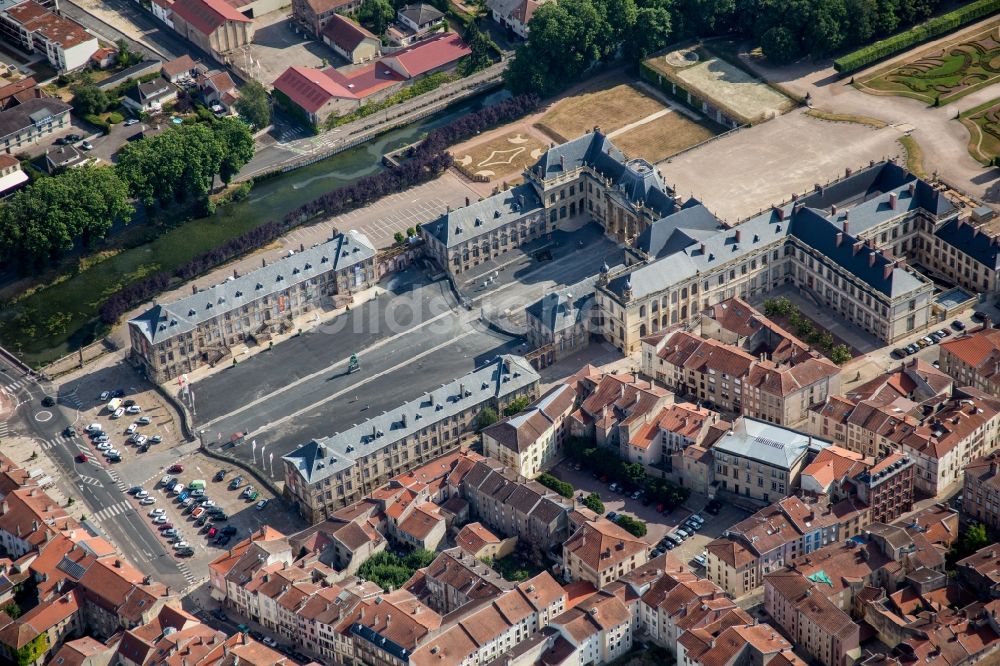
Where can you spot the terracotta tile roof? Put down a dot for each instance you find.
(472, 538)
(207, 16)
(424, 518)
(345, 33)
(224, 563)
(177, 66)
(520, 431)
(35, 18)
(979, 350)
(461, 571)
(77, 652)
(733, 553)
(326, 6)
(429, 54)
(602, 544)
(598, 613)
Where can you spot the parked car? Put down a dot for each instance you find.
(134, 489)
(129, 123)
(236, 483)
(176, 469)
(218, 613)
(118, 393)
(229, 530)
(159, 520)
(144, 420)
(958, 325)
(134, 409)
(979, 316)
(118, 413)
(166, 526)
(713, 507)
(157, 512)
(700, 560)
(211, 532)
(155, 439)
(142, 493)
(944, 332)
(637, 494)
(74, 137)
(128, 403)
(220, 475)
(912, 349)
(86, 145)
(69, 432)
(169, 533)
(682, 533)
(898, 353)
(184, 552)
(201, 520)
(114, 457)
(261, 505)
(105, 396)
(94, 427)
(181, 544)
(611, 516)
(145, 501)
(269, 642)
(253, 496)
(130, 430)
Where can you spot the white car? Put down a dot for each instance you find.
(131, 429)
(113, 452)
(159, 520)
(94, 427)
(133, 409)
(167, 480)
(180, 544)
(142, 493)
(139, 440)
(146, 501)
(104, 446)
(157, 512)
(118, 413)
(178, 488)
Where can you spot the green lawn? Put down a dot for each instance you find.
(943, 75)
(983, 123)
(37, 324)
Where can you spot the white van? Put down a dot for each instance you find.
(95, 427)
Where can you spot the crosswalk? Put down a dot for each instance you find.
(112, 511)
(53, 442)
(186, 572)
(4, 429)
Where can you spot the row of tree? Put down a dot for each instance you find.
(571, 36)
(426, 162)
(81, 205)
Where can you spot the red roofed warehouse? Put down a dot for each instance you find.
(214, 25)
(437, 54)
(321, 94)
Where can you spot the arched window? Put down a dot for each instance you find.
(642, 330)
(642, 310)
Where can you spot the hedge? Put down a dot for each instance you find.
(555, 484)
(934, 27)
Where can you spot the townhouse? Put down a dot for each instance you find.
(981, 490)
(532, 440)
(812, 621)
(328, 473)
(599, 628)
(973, 359)
(387, 630)
(171, 339)
(660, 443)
(455, 579)
(615, 407)
(732, 641)
(981, 571)
(601, 552)
(476, 540)
(509, 619)
(516, 507)
(885, 486)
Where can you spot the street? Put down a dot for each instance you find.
(98, 485)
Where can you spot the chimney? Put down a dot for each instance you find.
(840, 238)
(194, 289)
(263, 262)
(857, 246)
(703, 248)
(848, 172)
(236, 273)
(461, 390)
(302, 247)
(737, 237)
(892, 200)
(833, 210)
(887, 271)
(871, 258)
(779, 211)
(388, 620)
(321, 451)
(912, 189)
(466, 201)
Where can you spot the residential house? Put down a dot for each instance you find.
(981, 571)
(150, 96)
(660, 443)
(351, 41)
(479, 542)
(981, 490)
(973, 359)
(599, 628)
(532, 440)
(179, 69)
(456, 579)
(386, 630)
(213, 25)
(615, 407)
(32, 28)
(218, 91)
(439, 53)
(104, 57)
(514, 14)
(313, 15)
(413, 23)
(731, 642)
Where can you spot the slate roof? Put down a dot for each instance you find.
(767, 443)
(29, 112)
(565, 308)
(161, 322)
(520, 431)
(483, 217)
(421, 13)
(969, 240)
(863, 201)
(692, 223)
(327, 456)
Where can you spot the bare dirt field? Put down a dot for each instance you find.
(609, 108)
(501, 156)
(663, 137)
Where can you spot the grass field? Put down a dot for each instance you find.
(983, 123)
(503, 156)
(663, 137)
(943, 74)
(914, 156)
(609, 108)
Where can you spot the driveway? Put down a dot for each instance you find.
(943, 139)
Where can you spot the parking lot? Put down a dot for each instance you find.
(658, 525)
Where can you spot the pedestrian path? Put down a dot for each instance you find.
(112, 511)
(53, 442)
(4, 429)
(186, 571)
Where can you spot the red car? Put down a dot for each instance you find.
(211, 532)
(82, 458)
(176, 469)
(166, 526)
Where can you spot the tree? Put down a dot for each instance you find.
(89, 100)
(237, 146)
(482, 48)
(254, 105)
(652, 31)
(594, 503)
(518, 404)
(486, 418)
(840, 354)
(53, 214)
(631, 525)
(126, 56)
(376, 15)
(778, 307)
(551, 482)
(13, 610)
(398, 237)
(635, 475)
(780, 46)
(975, 538)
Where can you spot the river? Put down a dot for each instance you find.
(272, 198)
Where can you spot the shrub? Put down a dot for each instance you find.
(115, 118)
(631, 525)
(938, 25)
(98, 122)
(555, 484)
(594, 503)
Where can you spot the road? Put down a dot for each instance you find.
(411, 339)
(99, 487)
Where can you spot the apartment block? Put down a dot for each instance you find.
(562, 322)
(601, 552)
(615, 407)
(326, 474)
(885, 486)
(981, 571)
(175, 338)
(599, 628)
(681, 601)
(661, 442)
(25, 124)
(813, 622)
(735, 642)
(981, 491)
(532, 440)
(34, 29)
